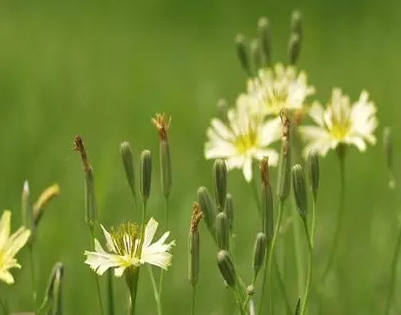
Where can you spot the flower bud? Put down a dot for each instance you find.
(27, 211)
(52, 299)
(284, 167)
(145, 174)
(128, 163)
(193, 263)
(208, 208)
(259, 252)
(256, 54)
(314, 173)
(296, 23)
(265, 40)
(242, 53)
(222, 109)
(294, 48)
(220, 183)
(44, 198)
(230, 210)
(299, 188)
(226, 267)
(222, 230)
(388, 147)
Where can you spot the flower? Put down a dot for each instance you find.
(9, 246)
(342, 123)
(124, 246)
(245, 136)
(280, 88)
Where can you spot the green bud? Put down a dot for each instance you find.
(208, 208)
(222, 230)
(242, 53)
(230, 210)
(388, 147)
(146, 174)
(259, 252)
(226, 267)
(39, 207)
(266, 196)
(296, 23)
(90, 200)
(128, 163)
(193, 263)
(27, 210)
(284, 167)
(220, 183)
(294, 48)
(165, 165)
(222, 109)
(256, 54)
(314, 173)
(265, 40)
(299, 188)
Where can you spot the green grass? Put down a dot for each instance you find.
(102, 69)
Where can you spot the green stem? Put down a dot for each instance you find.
(309, 274)
(298, 250)
(155, 291)
(393, 274)
(193, 300)
(270, 260)
(282, 287)
(99, 294)
(238, 299)
(132, 283)
(110, 291)
(33, 274)
(4, 307)
(313, 223)
(256, 196)
(339, 219)
(166, 228)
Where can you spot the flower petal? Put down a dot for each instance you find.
(4, 228)
(150, 231)
(109, 240)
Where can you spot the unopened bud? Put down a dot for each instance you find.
(128, 163)
(242, 53)
(265, 40)
(284, 167)
(194, 255)
(226, 267)
(314, 173)
(294, 48)
(259, 252)
(299, 188)
(256, 54)
(208, 208)
(388, 147)
(222, 109)
(222, 230)
(145, 174)
(27, 211)
(52, 299)
(296, 23)
(44, 198)
(230, 210)
(220, 183)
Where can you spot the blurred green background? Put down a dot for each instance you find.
(103, 68)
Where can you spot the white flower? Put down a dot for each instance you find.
(124, 249)
(245, 136)
(341, 122)
(280, 88)
(9, 246)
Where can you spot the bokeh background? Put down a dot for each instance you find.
(103, 68)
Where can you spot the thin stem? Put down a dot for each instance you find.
(110, 291)
(339, 218)
(298, 250)
(256, 196)
(313, 223)
(270, 260)
(193, 300)
(393, 273)
(238, 299)
(99, 294)
(282, 287)
(166, 228)
(310, 263)
(132, 283)
(4, 307)
(33, 274)
(155, 291)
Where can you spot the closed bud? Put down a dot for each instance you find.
(194, 255)
(220, 183)
(208, 208)
(314, 173)
(259, 252)
(128, 163)
(226, 267)
(296, 23)
(284, 167)
(266, 196)
(222, 230)
(256, 54)
(265, 40)
(299, 188)
(242, 53)
(388, 147)
(294, 48)
(230, 210)
(44, 198)
(222, 109)
(27, 211)
(145, 174)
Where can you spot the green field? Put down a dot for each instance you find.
(102, 69)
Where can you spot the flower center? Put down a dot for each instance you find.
(126, 239)
(246, 142)
(341, 123)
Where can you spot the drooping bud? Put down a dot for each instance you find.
(162, 125)
(53, 296)
(299, 188)
(294, 48)
(222, 231)
(388, 148)
(145, 169)
(265, 40)
(259, 252)
(284, 167)
(256, 53)
(43, 200)
(193, 245)
(230, 210)
(27, 211)
(266, 195)
(226, 267)
(208, 208)
(314, 172)
(222, 109)
(220, 183)
(242, 53)
(128, 163)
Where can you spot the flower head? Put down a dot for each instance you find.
(341, 123)
(280, 88)
(244, 137)
(9, 246)
(125, 250)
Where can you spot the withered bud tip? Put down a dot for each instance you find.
(197, 215)
(162, 125)
(79, 147)
(264, 170)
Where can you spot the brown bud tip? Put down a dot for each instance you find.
(197, 215)
(162, 125)
(264, 171)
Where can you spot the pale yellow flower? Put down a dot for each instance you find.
(278, 88)
(10, 246)
(124, 249)
(245, 136)
(341, 122)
